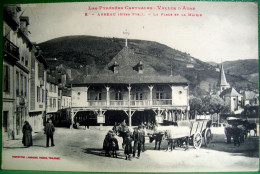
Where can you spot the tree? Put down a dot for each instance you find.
(214, 104)
(195, 106)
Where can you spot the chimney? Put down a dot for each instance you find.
(24, 22)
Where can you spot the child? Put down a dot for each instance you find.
(114, 145)
(106, 143)
(128, 147)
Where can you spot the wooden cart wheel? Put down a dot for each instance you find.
(207, 136)
(197, 140)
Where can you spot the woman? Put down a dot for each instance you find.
(128, 147)
(106, 143)
(27, 134)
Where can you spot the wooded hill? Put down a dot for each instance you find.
(77, 52)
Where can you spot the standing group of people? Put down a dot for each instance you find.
(27, 134)
(137, 137)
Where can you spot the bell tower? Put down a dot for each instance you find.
(222, 82)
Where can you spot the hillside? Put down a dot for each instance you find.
(247, 68)
(77, 52)
(241, 67)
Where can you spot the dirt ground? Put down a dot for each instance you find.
(81, 150)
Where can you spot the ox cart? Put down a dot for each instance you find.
(190, 132)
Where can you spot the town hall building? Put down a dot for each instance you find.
(129, 89)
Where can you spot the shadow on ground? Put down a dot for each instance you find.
(101, 152)
(250, 148)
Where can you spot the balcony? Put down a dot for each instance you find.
(97, 103)
(11, 49)
(118, 103)
(162, 102)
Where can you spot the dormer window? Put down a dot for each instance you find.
(115, 67)
(140, 67)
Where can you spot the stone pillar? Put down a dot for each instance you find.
(107, 88)
(172, 95)
(72, 118)
(130, 117)
(129, 94)
(151, 95)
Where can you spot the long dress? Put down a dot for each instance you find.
(128, 146)
(27, 135)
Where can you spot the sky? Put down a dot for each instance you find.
(222, 31)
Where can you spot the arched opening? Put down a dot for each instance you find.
(111, 117)
(139, 117)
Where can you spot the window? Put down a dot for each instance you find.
(54, 103)
(6, 78)
(42, 95)
(99, 96)
(21, 85)
(51, 105)
(5, 120)
(138, 96)
(26, 62)
(38, 93)
(17, 84)
(118, 96)
(159, 93)
(25, 86)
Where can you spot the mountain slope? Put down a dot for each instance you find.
(77, 52)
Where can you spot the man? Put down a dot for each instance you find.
(142, 131)
(138, 140)
(49, 130)
(123, 130)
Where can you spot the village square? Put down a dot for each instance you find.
(127, 109)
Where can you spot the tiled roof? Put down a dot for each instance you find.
(230, 92)
(127, 62)
(131, 79)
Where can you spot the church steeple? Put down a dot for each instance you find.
(222, 82)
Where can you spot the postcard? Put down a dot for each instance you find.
(149, 86)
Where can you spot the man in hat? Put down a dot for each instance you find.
(49, 130)
(138, 139)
